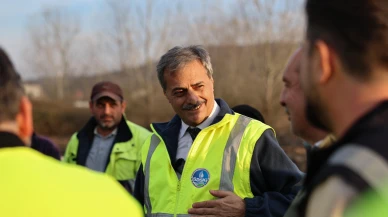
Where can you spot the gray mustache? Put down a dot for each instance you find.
(192, 106)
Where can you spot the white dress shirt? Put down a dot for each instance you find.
(185, 140)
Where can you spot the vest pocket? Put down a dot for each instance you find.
(126, 163)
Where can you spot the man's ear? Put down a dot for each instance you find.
(325, 57)
(24, 120)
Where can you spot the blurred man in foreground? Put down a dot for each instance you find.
(345, 80)
(33, 184)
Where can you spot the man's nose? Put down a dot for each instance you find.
(107, 109)
(192, 97)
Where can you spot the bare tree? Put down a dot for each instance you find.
(53, 34)
(120, 33)
(154, 37)
(274, 25)
(138, 33)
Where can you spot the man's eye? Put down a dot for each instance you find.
(178, 93)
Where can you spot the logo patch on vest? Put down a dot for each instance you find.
(200, 177)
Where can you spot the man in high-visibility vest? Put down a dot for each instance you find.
(108, 142)
(209, 160)
(33, 184)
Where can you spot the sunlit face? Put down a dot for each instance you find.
(310, 68)
(107, 112)
(292, 97)
(190, 92)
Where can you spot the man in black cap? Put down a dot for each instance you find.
(108, 142)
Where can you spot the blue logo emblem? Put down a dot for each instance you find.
(200, 177)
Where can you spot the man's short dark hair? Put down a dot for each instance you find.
(11, 89)
(357, 30)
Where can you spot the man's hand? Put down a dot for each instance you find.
(228, 204)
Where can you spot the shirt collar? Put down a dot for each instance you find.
(113, 133)
(203, 125)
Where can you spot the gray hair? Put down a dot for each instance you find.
(11, 89)
(178, 57)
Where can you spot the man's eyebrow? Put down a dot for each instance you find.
(198, 83)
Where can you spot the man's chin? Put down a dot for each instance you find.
(107, 127)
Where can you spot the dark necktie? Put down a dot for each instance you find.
(179, 164)
(193, 132)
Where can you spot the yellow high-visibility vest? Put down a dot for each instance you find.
(219, 159)
(33, 184)
(124, 160)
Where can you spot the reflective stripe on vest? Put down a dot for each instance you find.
(228, 162)
(147, 202)
(366, 163)
(230, 153)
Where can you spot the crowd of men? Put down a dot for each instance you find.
(211, 159)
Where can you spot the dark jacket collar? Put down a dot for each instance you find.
(169, 131)
(86, 135)
(374, 120)
(9, 140)
(371, 131)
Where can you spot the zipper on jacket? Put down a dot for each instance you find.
(178, 190)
